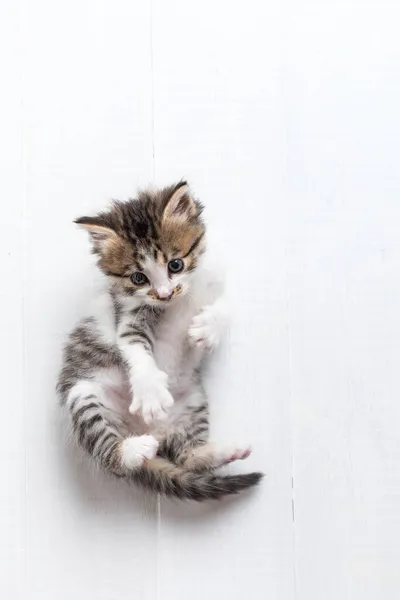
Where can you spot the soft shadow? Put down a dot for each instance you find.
(94, 491)
(196, 513)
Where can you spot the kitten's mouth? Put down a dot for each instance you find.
(165, 300)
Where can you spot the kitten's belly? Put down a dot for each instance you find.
(175, 359)
(116, 395)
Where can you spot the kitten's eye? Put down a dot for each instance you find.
(139, 278)
(175, 266)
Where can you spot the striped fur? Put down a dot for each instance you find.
(131, 379)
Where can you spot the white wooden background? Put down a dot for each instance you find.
(284, 116)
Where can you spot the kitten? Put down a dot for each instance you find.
(131, 380)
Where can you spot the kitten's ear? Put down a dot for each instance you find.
(102, 236)
(180, 205)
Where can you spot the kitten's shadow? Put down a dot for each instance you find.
(178, 511)
(92, 491)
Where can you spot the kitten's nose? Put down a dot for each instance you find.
(164, 293)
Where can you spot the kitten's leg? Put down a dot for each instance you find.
(101, 433)
(209, 456)
(187, 427)
(135, 339)
(185, 443)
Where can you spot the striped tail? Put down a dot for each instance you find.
(165, 478)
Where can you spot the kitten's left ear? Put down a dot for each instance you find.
(180, 205)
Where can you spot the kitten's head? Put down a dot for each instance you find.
(149, 247)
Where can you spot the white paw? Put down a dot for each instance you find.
(238, 452)
(206, 328)
(151, 396)
(137, 449)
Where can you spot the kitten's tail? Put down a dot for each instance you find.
(163, 477)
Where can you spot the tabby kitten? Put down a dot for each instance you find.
(130, 380)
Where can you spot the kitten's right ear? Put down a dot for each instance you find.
(102, 236)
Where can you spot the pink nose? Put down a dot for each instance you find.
(164, 294)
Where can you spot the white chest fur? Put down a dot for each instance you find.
(172, 351)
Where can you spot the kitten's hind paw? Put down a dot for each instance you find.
(239, 452)
(136, 450)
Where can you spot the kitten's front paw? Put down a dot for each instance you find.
(151, 396)
(206, 328)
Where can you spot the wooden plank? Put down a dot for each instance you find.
(88, 97)
(12, 443)
(344, 132)
(217, 123)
